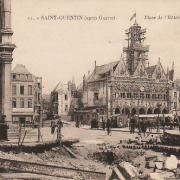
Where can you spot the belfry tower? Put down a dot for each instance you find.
(6, 49)
(135, 50)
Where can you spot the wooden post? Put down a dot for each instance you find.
(23, 137)
(164, 124)
(19, 133)
(59, 135)
(58, 132)
(39, 133)
(107, 96)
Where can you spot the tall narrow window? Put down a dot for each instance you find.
(148, 96)
(175, 105)
(29, 103)
(14, 90)
(153, 96)
(21, 103)
(128, 95)
(14, 102)
(22, 90)
(175, 94)
(122, 95)
(141, 95)
(96, 96)
(66, 108)
(14, 76)
(29, 89)
(66, 97)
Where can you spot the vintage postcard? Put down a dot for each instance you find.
(90, 89)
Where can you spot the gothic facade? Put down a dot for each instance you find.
(130, 85)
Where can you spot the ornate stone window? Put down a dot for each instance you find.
(136, 95)
(96, 96)
(175, 94)
(29, 103)
(22, 90)
(122, 95)
(21, 103)
(141, 95)
(14, 76)
(66, 97)
(14, 103)
(153, 96)
(148, 96)
(128, 95)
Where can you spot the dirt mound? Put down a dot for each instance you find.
(111, 155)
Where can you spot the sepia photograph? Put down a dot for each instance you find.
(89, 90)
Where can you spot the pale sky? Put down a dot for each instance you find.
(57, 50)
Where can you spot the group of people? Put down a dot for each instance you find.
(144, 124)
(56, 125)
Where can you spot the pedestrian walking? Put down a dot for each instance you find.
(77, 123)
(132, 124)
(108, 126)
(53, 126)
(144, 126)
(59, 128)
(103, 124)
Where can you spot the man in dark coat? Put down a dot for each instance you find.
(132, 124)
(59, 127)
(108, 126)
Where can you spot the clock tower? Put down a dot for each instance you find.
(135, 51)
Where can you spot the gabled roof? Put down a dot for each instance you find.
(121, 69)
(150, 69)
(140, 70)
(20, 69)
(100, 70)
(106, 67)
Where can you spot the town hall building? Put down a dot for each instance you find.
(128, 86)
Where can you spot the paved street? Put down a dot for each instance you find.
(84, 134)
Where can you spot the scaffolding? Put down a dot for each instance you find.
(135, 50)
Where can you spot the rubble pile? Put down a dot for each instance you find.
(154, 168)
(116, 154)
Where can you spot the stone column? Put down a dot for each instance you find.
(6, 90)
(6, 14)
(6, 49)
